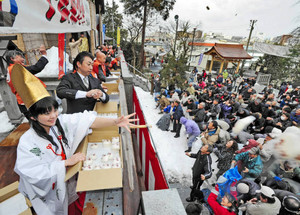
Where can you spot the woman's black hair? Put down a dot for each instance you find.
(80, 58)
(234, 146)
(43, 106)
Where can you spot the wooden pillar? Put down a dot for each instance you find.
(100, 27)
(93, 26)
(211, 63)
(221, 67)
(238, 67)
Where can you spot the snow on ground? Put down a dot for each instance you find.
(177, 166)
(5, 125)
(51, 69)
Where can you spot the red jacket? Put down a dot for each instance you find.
(216, 207)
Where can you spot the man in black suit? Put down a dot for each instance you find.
(79, 88)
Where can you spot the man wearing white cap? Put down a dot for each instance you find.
(267, 204)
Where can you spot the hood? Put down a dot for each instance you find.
(183, 120)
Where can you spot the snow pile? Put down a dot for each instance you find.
(5, 125)
(177, 166)
(51, 69)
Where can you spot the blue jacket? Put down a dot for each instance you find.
(295, 118)
(191, 126)
(169, 108)
(254, 165)
(178, 112)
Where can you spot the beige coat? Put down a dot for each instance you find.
(211, 140)
(74, 47)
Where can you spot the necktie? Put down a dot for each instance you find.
(86, 81)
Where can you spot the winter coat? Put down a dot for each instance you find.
(255, 108)
(191, 127)
(169, 109)
(200, 115)
(202, 85)
(216, 207)
(202, 165)
(163, 102)
(226, 110)
(178, 112)
(224, 137)
(254, 165)
(225, 157)
(295, 118)
(191, 106)
(164, 122)
(253, 187)
(210, 139)
(174, 97)
(215, 110)
(261, 208)
(157, 86)
(285, 124)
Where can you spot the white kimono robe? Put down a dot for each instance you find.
(42, 173)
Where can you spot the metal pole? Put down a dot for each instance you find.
(252, 22)
(192, 46)
(176, 19)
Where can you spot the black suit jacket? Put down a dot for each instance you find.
(68, 87)
(38, 67)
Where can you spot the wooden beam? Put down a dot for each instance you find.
(211, 63)
(238, 67)
(221, 67)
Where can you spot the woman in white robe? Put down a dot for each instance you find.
(40, 157)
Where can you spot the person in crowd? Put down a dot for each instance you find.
(115, 63)
(178, 113)
(246, 190)
(192, 131)
(191, 89)
(74, 47)
(48, 148)
(79, 88)
(84, 46)
(199, 114)
(284, 169)
(295, 117)
(295, 94)
(267, 203)
(99, 67)
(290, 202)
(225, 74)
(162, 103)
(211, 135)
(190, 105)
(174, 96)
(255, 107)
(225, 155)
(16, 57)
(249, 163)
(201, 169)
(164, 122)
(226, 108)
(204, 75)
(282, 122)
(215, 110)
(228, 205)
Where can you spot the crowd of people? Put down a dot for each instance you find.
(251, 178)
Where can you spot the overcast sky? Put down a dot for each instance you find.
(232, 17)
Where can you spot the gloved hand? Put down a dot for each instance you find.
(276, 178)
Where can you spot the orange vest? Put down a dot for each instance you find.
(96, 67)
(114, 61)
(13, 90)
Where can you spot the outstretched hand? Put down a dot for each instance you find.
(125, 122)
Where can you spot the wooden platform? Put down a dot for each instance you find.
(8, 155)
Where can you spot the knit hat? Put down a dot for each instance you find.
(253, 151)
(242, 188)
(267, 191)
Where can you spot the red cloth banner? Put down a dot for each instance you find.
(153, 173)
(61, 48)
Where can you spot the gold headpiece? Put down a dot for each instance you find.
(29, 87)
